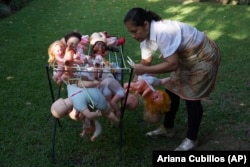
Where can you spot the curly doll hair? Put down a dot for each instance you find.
(52, 58)
(157, 106)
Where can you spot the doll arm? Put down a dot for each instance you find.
(88, 84)
(113, 103)
(59, 59)
(91, 115)
(58, 73)
(140, 87)
(164, 80)
(110, 115)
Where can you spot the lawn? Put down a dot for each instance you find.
(26, 122)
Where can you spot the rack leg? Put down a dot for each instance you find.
(121, 121)
(53, 140)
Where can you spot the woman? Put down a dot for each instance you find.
(190, 57)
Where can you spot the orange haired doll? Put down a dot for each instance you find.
(156, 102)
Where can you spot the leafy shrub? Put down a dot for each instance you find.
(8, 6)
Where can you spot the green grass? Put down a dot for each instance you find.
(26, 123)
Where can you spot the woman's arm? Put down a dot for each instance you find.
(170, 64)
(146, 62)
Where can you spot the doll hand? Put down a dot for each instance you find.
(85, 60)
(54, 78)
(77, 56)
(99, 112)
(97, 83)
(82, 134)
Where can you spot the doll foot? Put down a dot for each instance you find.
(118, 114)
(99, 113)
(82, 134)
(93, 138)
(187, 145)
(161, 131)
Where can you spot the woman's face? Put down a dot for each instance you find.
(139, 33)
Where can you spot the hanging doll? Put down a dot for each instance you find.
(85, 99)
(60, 109)
(99, 52)
(156, 102)
(77, 43)
(63, 107)
(78, 105)
(90, 126)
(114, 93)
(112, 42)
(56, 52)
(81, 48)
(101, 44)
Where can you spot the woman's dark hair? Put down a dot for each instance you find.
(72, 34)
(139, 15)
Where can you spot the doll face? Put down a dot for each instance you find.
(156, 96)
(100, 47)
(73, 41)
(132, 102)
(58, 51)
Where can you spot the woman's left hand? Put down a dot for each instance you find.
(139, 69)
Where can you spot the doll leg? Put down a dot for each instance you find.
(98, 130)
(110, 115)
(113, 104)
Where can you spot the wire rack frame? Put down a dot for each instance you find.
(56, 122)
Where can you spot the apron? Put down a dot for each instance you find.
(196, 75)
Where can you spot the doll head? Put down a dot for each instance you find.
(55, 49)
(98, 42)
(69, 55)
(73, 39)
(97, 36)
(155, 105)
(82, 45)
(157, 102)
(132, 102)
(61, 107)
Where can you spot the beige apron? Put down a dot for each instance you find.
(196, 75)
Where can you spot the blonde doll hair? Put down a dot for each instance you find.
(52, 58)
(157, 106)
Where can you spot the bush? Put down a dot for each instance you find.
(9, 6)
(4, 10)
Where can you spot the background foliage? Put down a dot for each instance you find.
(26, 123)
